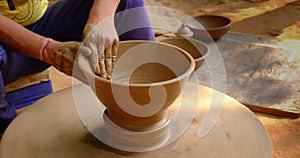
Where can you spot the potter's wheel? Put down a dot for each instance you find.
(52, 128)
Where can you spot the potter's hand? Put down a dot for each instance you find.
(62, 55)
(102, 40)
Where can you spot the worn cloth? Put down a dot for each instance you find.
(63, 21)
(25, 13)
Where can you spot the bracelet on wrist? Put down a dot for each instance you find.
(43, 48)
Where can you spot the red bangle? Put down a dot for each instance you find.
(43, 48)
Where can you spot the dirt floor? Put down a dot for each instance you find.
(270, 18)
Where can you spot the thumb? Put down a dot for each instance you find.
(84, 50)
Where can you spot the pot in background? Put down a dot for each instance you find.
(197, 49)
(215, 25)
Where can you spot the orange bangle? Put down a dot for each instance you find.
(43, 48)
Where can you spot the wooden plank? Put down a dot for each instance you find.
(28, 80)
(273, 111)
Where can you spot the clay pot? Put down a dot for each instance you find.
(197, 49)
(215, 25)
(147, 78)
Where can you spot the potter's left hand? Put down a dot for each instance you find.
(62, 55)
(102, 40)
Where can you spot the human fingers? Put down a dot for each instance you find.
(103, 72)
(115, 47)
(108, 59)
(65, 57)
(101, 59)
(77, 71)
(94, 58)
(86, 51)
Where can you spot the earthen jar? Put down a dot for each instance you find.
(153, 74)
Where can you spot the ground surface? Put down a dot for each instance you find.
(271, 18)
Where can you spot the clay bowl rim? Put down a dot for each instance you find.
(187, 73)
(207, 52)
(212, 28)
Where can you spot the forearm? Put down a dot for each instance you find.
(18, 39)
(101, 10)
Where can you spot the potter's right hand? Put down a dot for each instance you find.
(102, 40)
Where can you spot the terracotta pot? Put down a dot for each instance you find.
(147, 78)
(197, 49)
(215, 25)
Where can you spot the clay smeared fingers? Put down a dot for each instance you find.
(97, 70)
(115, 47)
(86, 51)
(94, 59)
(101, 62)
(108, 59)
